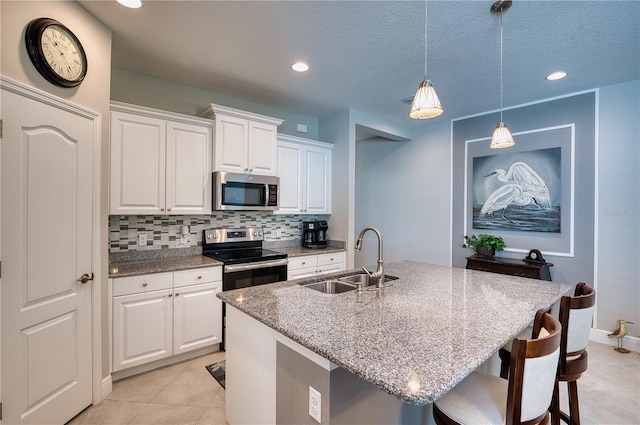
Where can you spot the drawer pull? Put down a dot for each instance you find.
(145, 284)
(177, 294)
(170, 295)
(304, 262)
(199, 277)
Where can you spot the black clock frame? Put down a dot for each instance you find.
(538, 259)
(32, 38)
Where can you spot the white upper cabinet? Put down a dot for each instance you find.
(304, 168)
(160, 162)
(244, 142)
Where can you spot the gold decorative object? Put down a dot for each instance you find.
(620, 333)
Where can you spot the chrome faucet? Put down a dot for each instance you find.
(378, 275)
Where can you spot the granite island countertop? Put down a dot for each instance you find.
(416, 339)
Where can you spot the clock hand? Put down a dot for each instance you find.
(55, 43)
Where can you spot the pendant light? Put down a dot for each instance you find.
(501, 135)
(425, 103)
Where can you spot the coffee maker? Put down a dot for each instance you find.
(314, 234)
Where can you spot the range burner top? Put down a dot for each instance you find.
(232, 246)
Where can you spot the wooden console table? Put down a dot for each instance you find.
(510, 266)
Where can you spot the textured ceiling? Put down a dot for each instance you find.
(368, 55)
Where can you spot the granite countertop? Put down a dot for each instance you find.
(135, 267)
(298, 251)
(416, 339)
(160, 265)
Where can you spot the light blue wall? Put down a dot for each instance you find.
(618, 212)
(148, 91)
(403, 189)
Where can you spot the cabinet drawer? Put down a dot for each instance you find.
(303, 262)
(142, 283)
(195, 276)
(331, 258)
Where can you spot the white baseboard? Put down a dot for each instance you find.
(105, 389)
(630, 342)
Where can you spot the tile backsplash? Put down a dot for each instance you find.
(163, 232)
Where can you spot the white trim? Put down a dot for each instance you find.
(157, 113)
(302, 140)
(105, 388)
(96, 285)
(596, 202)
(572, 185)
(451, 195)
(630, 342)
(45, 98)
(493, 111)
(212, 110)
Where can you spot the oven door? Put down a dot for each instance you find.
(237, 276)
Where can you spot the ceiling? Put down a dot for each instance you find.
(369, 55)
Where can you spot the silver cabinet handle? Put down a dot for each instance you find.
(85, 278)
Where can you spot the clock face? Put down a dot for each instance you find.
(62, 52)
(55, 52)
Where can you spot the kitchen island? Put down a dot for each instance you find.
(409, 343)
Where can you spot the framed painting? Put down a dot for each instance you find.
(524, 193)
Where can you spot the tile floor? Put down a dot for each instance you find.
(187, 394)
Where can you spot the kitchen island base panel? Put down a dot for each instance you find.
(346, 399)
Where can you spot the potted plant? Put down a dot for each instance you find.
(484, 245)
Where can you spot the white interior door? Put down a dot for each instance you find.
(47, 233)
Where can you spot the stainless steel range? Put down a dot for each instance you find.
(246, 263)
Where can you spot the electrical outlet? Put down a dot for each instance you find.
(142, 239)
(315, 404)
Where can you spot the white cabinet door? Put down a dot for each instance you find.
(231, 144)
(262, 149)
(197, 317)
(304, 168)
(318, 180)
(290, 171)
(137, 164)
(188, 171)
(142, 328)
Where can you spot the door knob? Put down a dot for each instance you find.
(85, 278)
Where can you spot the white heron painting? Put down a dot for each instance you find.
(520, 191)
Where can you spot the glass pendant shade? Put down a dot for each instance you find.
(501, 137)
(425, 103)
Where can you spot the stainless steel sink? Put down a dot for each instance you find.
(331, 286)
(361, 278)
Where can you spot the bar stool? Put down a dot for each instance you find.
(523, 399)
(575, 314)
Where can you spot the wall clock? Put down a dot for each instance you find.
(55, 52)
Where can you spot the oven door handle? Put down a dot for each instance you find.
(257, 265)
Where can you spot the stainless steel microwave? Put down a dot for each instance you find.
(248, 192)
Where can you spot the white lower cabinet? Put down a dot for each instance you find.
(164, 314)
(315, 264)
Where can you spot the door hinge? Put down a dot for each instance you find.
(0, 129)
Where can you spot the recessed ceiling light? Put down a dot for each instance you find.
(556, 75)
(300, 67)
(132, 4)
